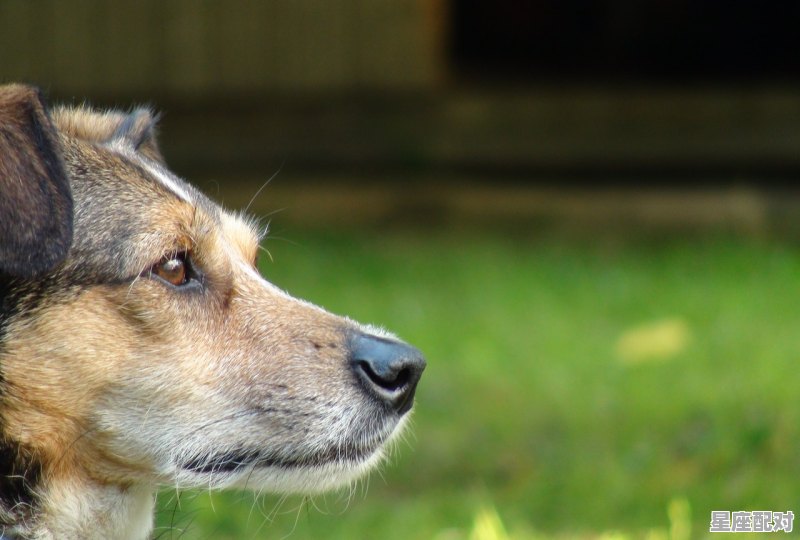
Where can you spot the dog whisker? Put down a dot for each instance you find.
(265, 184)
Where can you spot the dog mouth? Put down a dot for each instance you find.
(231, 461)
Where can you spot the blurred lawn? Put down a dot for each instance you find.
(533, 403)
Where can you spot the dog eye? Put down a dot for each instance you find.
(172, 269)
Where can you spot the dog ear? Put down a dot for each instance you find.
(138, 129)
(35, 198)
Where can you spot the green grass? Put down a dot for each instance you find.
(526, 406)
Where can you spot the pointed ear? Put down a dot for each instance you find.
(138, 129)
(35, 198)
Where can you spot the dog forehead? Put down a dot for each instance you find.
(111, 183)
(152, 171)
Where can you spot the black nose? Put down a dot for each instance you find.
(388, 369)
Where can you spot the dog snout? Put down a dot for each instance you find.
(389, 370)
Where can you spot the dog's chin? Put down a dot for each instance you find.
(309, 472)
(308, 479)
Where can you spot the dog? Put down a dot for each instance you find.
(141, 348)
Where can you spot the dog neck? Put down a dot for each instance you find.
(73, 510)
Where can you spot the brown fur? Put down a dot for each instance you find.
(115, 382)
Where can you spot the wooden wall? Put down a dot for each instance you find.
(218, 47)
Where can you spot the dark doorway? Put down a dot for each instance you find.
(661, 41)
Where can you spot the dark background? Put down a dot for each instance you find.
(662, 42)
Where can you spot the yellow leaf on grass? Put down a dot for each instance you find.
(488, 526)
(654, 341)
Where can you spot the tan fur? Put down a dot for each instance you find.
(86, 124)
(90, 125)
(118, 383)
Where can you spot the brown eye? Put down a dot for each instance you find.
(172, 269)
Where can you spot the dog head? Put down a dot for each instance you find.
(140, 344)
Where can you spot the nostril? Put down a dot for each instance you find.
(391, 382)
